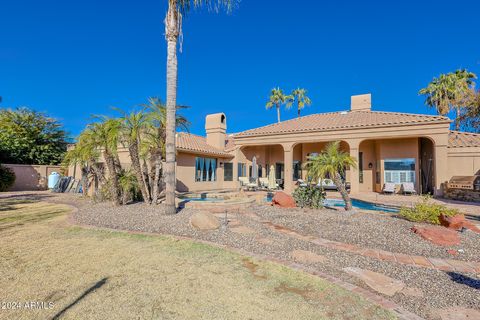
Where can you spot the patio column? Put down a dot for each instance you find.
(354, 172)
(288, 174)
(441, 168)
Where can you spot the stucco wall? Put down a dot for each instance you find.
(31, 177)
(463, 161)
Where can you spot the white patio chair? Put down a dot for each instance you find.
(301, 183)
(408, 188)
(389, 187)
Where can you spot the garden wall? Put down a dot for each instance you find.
(31, 177)
(462, 194)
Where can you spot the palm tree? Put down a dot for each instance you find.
(300, 96)
(277, 98)
(331, 163)
(134, 125)
(449, 92)
(105, 135)
(173, 30)
(155, 138)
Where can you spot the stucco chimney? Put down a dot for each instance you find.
(361, 102)
(216, 128)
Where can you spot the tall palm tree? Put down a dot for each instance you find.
(173, 30)
(331, 163)
(105, 135)
(299, 95)
(134, 125)
(155, 138)
(276, 99)
(449, 92)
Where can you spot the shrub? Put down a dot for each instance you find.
(7, 178)
(426, 211)
(308, 197)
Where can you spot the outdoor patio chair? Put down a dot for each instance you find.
(247, 184)
(408, 188)
(263, 183)
(389, 188)
(301, 183)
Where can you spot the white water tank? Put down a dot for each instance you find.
(53, 179)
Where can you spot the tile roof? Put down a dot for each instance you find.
(342, 120)
(197, 144)
(230, 143)
(457, 139)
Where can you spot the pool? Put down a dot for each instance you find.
(357, 204)
(204, 199)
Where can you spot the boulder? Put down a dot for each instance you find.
(204, 221)
(438, 235)
(283, 200)
(377, 281)
(457, 222)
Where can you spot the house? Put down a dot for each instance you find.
(389, 146)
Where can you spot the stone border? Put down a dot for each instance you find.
(405, 259)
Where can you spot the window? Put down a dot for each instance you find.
(242, 169)
(297, 170)
(260, 171)
(205, 169)
(228, 171)
(399, 170)
(360, 167)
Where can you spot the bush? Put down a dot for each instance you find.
(426, 211)
(308, 197)
(7, 178)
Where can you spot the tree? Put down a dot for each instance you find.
(105, 136)
(450, 92)
(173, 30)
(471, 118)
(154, 142)
(276, 99)
(133, 126)
(30, 137)
(300, 96)
(331, 163)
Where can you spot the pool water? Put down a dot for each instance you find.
(359, 205)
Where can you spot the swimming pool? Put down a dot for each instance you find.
(357, 204)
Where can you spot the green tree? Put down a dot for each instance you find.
(276, 100)
(154, 142)
(450, 92)
(173, 30)
(331, 163)
(298, 96)
(30, 137)
(133, 127)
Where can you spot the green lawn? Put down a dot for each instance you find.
(97, 274)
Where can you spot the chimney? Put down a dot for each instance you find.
(362, 102)
(216, 128)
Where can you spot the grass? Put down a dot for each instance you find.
(104, 274)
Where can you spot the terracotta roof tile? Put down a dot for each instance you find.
(457, 139)
(230, 143)
(342, 120)
(197, 144)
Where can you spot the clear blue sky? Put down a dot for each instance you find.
(77, 58)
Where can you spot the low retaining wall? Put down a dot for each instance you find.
(462, 195)
(31, 177)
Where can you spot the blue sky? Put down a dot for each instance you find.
(77, 58)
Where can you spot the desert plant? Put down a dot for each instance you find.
(7, 178)
(426, 211)
(309, 197)
(129, 187)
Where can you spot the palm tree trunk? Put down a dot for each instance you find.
(343, 191)
(135, 158)
(172, 32)
(298, 110)
(111, 167)
(156, 180)
(278, 113)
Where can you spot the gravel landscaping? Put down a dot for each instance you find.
(427, 291)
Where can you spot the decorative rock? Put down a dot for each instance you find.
(457, 222)
(452, 252)
(412, 292)
(307, 257)
(204, 221)
(458, 313)
(438, 235)
(283, 200)
(242, 230)
(377, 281)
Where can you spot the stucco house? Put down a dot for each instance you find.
(389, 146)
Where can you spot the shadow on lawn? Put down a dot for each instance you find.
(96, 286)
(460, 278)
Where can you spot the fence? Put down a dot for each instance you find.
(31, 177)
